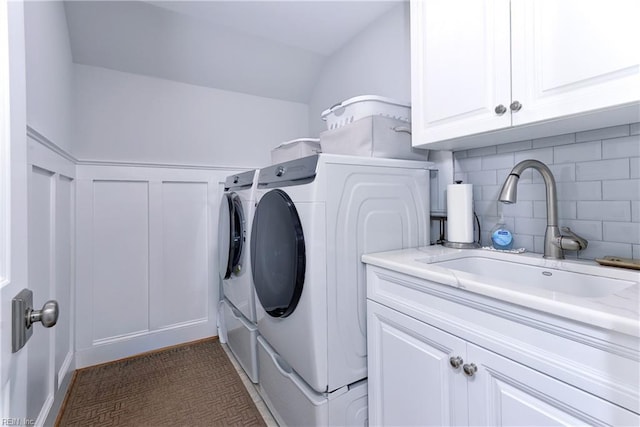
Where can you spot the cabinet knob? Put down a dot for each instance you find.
(456, 361)
(469, 369)
(500, 109)
(515, 106)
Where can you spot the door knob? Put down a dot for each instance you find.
(48, 316)
(500, 110)
(515, 106)
(23, 316)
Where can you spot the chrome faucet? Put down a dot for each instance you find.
(554, 240)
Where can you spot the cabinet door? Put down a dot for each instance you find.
(460, 70)
(411, 381)
(573, 56)
(505, 393)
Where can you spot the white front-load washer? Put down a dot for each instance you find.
(237, 307)
(314, 219)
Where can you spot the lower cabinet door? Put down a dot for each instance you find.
(505, 393)
(411, 379)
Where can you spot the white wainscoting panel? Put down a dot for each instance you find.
(145, 271)
(180, 296)
(120, 259)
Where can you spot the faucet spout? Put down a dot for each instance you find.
(554, 241)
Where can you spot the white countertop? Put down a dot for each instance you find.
(618, 311)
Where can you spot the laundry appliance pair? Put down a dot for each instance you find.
(314, 218)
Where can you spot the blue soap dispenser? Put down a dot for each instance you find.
(501, 237)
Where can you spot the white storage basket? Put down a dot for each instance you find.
(295, 149)
(364, 106)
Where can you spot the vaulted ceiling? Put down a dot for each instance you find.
(274, 49)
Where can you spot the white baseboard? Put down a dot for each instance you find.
(154, 340)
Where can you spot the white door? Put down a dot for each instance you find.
(13, 208)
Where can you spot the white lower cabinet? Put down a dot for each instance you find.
(438, 375)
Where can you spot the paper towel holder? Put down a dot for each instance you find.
(458, 245)
(465, 245)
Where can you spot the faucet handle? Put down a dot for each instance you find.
(571, 241)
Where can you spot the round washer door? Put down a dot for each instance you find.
(278, 258)
(230, 235)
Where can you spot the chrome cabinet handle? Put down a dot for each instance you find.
(515, 106)
(469, 369)
(48, 316)
(456, 361)
(280, 171)
(500, 109)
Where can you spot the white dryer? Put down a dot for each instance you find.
(237, 307)
(314, 219)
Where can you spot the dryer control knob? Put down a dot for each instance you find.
(280, 171)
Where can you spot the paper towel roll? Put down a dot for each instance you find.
(460, 213)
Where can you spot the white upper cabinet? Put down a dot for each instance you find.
(492, 71)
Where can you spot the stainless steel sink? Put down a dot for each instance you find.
(537, 276)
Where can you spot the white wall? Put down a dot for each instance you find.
(49, 71)
(375, 62)
(132, 118)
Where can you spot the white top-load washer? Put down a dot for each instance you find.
(237, 308)
(314, 219)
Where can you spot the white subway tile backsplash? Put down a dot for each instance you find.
(460, 176)
(621, 147)
(524, 241)
(530, 226)
(482, 151)
(545, 155)
(634, 167)
(622, 189)
(467, 164)
(586, 190)
(601, 170)
(538, 244)
(460, 154)
(566, 209)
(590, 230)
(577, 152)
(482, 177)
(604, 133)
(486, 208)
(599, 249)
(604, 210)
(597, 175)
(553, 141)
(514, 146)
(489, 192)
(564, 172)
(622, 232)
(524, 208)
(531, 192)
(498, 161)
